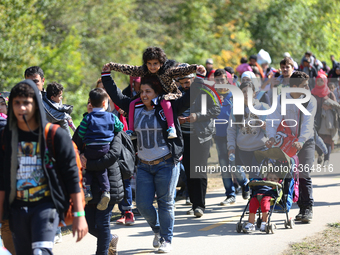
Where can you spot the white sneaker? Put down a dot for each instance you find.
(263, 226)
(249, 227)
(156, 240)
(172, 133)
(165, 247)
(58, 238)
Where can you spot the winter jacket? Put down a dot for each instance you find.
(57, 113)
(178, 106)
(64, 170)
(109, 162)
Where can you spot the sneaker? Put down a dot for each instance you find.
(245, 194)
(156, 241)
(88, 193)
(129, 218)
(190, 212)
(263, 226)
(228, 201)
(121, 220)
(187, 201)
(104, 201)
(172, 133)
(113, 245)
(307, 216)
(326, 163)
(320, 159)
(132, 134)
(165, 247)
(299, 216)
(198, 212)
(58, 238)
(249, 227)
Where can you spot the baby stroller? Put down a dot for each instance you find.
(286, 191)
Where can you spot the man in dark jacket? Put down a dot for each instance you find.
(30, 190)
(310, 70)
(197, 131)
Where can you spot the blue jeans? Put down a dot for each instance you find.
(162, 180)
(99, 226)
(126, 203)
(222, 151)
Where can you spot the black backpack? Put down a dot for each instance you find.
(127, 156)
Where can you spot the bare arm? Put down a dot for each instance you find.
(79, 223)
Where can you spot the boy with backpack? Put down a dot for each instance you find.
(36, 184)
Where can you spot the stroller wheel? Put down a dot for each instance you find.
(239, 227)
(272, 228)
(258, 222)
(267, 229)
(286, 224)
(291, 223)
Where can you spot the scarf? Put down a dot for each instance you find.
(321, 91)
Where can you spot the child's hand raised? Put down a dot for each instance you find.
(106, 68)
(201, 70)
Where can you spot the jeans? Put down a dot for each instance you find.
(162, 180)
(99, 226)
(222, 151)
(33, 228)
(126, 203)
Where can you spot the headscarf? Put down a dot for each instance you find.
(253, 79)
(321, 91)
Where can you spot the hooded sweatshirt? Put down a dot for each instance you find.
(61, 177)
(246, 137)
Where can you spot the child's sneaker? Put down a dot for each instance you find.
(263, 226)
(172, 133)
(132, 134)
(249, 227)
(104, 201)
(88, 193)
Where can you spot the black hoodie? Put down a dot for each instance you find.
(62, 178)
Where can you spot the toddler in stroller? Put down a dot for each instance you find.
(272, 192)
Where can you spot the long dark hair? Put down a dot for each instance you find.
(243, 85)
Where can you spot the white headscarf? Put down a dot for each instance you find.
(253, 78)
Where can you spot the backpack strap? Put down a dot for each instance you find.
(50, 131)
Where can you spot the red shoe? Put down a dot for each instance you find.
(121, 220)
(129, 218)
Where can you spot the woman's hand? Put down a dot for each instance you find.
(297, 145)
(106, 68)
(231, 152)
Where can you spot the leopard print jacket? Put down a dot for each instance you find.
(166, 77)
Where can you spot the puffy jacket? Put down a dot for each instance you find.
(109, 162)
(56, 113)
